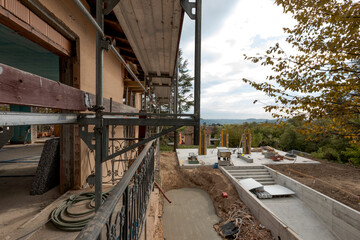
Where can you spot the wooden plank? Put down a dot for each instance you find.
(23, 88)
(158, 27)
(175, 36)
(134, 24)
(67, 158)
(23, 28)
(131, 83)
(143, 12)
(69, 161)
(118, 10)
(167, 19)
(136, 89)
(116, 106)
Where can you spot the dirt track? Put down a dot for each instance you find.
(214, 183)
(338, 181)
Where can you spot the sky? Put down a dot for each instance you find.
(231, 29)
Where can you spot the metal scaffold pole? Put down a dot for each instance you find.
(197, 85)
(176, 101)
(99, 127)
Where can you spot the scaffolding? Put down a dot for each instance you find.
(103, 120)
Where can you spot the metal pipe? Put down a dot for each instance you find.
(126, 66)
(112, 148)
(96, 24)
(99, 127)
(131, 102)
(176, 101)
(197, 85)
(176, 87)
(127, 96)
(23, 118)
(146, 114)
(142, 142)
(99, 29)
(162, 192)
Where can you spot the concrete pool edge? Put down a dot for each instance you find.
(277, 227)
(341, 220)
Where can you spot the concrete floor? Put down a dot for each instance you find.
(300, 218)
(18, 165)
(191, 215)
(211, 158)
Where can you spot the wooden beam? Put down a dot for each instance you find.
(13, 22)
(130, 83)
(116, 106)
(120, 40)
(23, 88)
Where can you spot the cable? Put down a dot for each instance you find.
(67, 220)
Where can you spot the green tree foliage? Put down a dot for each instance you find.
(286, 137)
(185, 97)
(322, 80)
(353, 154)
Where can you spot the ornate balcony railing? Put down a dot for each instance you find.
(125, 210)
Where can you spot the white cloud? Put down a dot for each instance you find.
(250, 28)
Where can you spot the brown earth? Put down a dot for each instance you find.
(214, 183)
(338, 181)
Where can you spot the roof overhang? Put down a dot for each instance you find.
(153, 29)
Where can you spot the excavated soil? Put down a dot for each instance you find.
(214, 183)
(338, 181)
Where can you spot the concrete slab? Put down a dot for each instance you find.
(294, 213)
(191, 215)
(211, 158)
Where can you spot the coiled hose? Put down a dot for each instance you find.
(67, 220)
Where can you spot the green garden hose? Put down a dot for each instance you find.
(67, 220)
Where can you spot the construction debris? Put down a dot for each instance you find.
(193, 158)
(265, 192)
(229, 229)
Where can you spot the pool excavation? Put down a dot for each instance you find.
(288, 208)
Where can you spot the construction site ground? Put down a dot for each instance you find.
(18, 208)
(17, 168)
(190, 215)
(211, 157)
(214, 183)
(336, 180)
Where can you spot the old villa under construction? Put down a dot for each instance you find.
(83, 88)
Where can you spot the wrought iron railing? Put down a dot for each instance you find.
(125, 210)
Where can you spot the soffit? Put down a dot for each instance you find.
(153, 28)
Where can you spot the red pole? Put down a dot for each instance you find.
(162, 192)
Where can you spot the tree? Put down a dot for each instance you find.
(185, 98)
(322, 79)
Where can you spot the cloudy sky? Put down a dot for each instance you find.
(230, 29)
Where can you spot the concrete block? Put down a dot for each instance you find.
(6, 133)
(48, 171)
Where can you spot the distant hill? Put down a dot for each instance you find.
(234, 121)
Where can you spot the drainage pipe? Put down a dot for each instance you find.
(157, 185)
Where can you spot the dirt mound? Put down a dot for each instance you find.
(214, 183)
